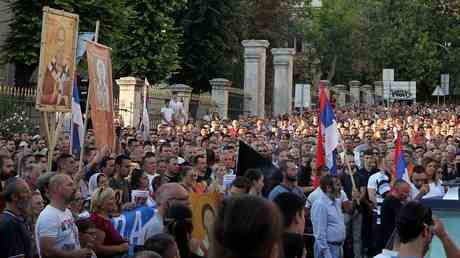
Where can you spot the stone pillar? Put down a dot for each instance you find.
(368, 94)
(184, 92)
(255, 55)
(378, 92)
(130, 100)
(283, 63)
(341, 91)
(220, 95)
(355, 92)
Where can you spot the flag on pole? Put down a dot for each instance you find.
(77, 133)
(328, 134)
(83, 38)
(145, 121)
(400, 162)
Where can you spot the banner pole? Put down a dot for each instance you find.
(85, 124)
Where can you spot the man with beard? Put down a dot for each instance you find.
(328, 221)
(118, 182)
(289, 183)
(416, 226)
(419, 183)
(6, 172)
(15, 234)
(6, 169)
(56, 233)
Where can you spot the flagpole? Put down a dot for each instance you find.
(85, 124)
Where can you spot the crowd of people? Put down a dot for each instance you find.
(306, 211)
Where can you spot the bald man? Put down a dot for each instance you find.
(391, 206)
(15, 236)
(56, 233)
(166, 195)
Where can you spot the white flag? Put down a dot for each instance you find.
(145, 124)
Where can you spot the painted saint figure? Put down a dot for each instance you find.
(57, 83)
(102, 92)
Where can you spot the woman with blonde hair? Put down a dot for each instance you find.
(108, 242)
(217, 184)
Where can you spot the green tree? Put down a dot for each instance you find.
(206, 42)
(141, 34)
(22, 46)
(332, 33)
(150, 45)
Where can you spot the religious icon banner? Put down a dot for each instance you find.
(204, 210)
(100, 91)
(56, 69)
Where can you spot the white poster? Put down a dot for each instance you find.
(400, 90)
(302, 95)
(445, 79)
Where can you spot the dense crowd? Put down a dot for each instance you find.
(305, 212)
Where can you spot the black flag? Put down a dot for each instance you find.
(249, 158)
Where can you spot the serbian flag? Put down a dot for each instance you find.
(328, 134)
(77, 122)
(400, 162)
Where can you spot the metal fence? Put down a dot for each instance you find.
(18, 100)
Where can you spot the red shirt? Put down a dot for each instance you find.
(112, 237)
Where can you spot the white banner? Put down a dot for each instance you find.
(445, 78)
(302, 95)
(400, 90)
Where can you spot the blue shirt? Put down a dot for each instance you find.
(328, 223)
(283, 189)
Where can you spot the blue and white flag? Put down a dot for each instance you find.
(145, 121)
(77, 130)
(131, 224)
(83, 38)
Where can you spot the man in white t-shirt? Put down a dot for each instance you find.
(377, 188)
(177, 106)
(55, 232)
(167, 113)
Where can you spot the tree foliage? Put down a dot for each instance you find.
(140, 32)
(356, 39)
(206, 42)
(150, 45)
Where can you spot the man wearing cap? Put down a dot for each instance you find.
(15, 234)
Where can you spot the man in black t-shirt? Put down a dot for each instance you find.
(15, 234)
(390, 209)
(292, 208)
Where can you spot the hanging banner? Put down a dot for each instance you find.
(100, 90)
(56, 69)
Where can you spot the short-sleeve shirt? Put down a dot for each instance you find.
(168, 113)
(112, 237)
(59, 225)
(380, 182)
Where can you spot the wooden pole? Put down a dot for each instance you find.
(85, 124)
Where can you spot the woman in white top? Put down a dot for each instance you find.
(434, 181)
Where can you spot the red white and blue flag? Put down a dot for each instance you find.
(328, 134)
(400, 162)
(77, 130)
